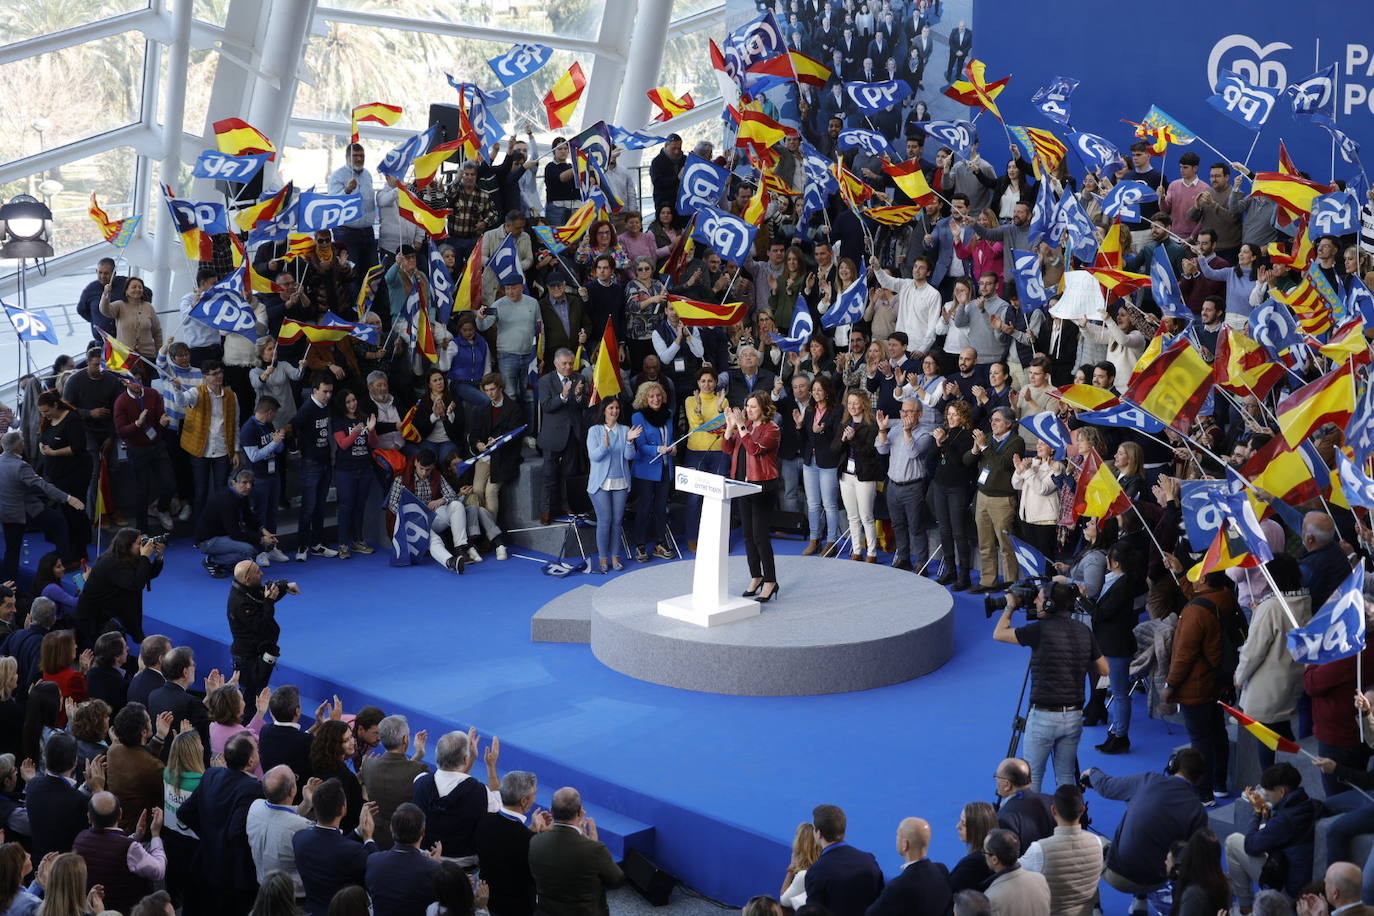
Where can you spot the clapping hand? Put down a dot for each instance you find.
(881, 417)
(634, 433)
(980, 439)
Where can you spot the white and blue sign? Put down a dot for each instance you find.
(872, 98)
(223, 167)
(1249, 106)
(1338, 629)
(728, 235)
(1053, 100)
(314, 212)
(224, 308)
(30, 326)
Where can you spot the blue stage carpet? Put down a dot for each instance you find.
(723, 780)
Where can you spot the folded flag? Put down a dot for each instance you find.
(1329, 399)
(706, 314)
(409, 432)
(974, 91)
(219, 166)
(1121, 416)
(411, 535)
(1053, 100)
(367, 289)
(1168, 295)
(1033, 563)
(634, 139)
(236, 137)
(1242, 366)
(416, 211)
(117, 356)
(1084, 397)
(1228, 550)
(1336, 631)
(375, 113)
(29, 325)
(680, 255)
(293, 330)
(1097, 153)
(669, 105)
(264, 210)
(1359, 489)
(1118, 284)
(561, 99)
(606, 372)
(117, 232)
(1359, 432)
(505, 263)
(1030, 279)
(1159, 124)
(1098, 494)
(1050, 429)
(1266, 735)
(799, 335)
(808, 70)
(425, 344)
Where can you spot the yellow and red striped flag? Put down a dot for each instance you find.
(117, 356)
(1292, 193)
(1243, 366)
(468, 294)
(561, 100)
(299, 245)
(427, 164)
(975, 91)
(293, 330)
(236, 137)
(809, 70)
(758, 131)
(1099, 495)
(249, 217)
(1227, 551)
(893, 216)
(577, 224)
(1329, 399)
(706, 314)
(1084, 397)
(256, 281)
(424, 329)
(757, 207)
(606, 372)
(911, 180)
(1109, 253)
(1118, 283)
(1266, 735)
(1044, 149)
(669, 106)
(415, 210)
(377, 113)
(1173, 388)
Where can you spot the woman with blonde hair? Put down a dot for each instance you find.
(64, 891)
(273, 378)
(859, 470)
(11, 713)
(805, 852)
(180, 777)
(652, 471)
(976, 820)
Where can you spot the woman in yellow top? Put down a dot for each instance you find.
(703, 448)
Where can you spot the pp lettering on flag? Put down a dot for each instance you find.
(1164, 286)
(519, 62)
(315, 212)
(1097, 153)
(1247, 105)
(1030, 283)
(1338, 629)
(848, 306)
(1124, 199)
(701, 185)
(1049, 429)
(505, 263)
(757, 40)
(223, 167)
(1336, 213)
(871, 142)
(441, 285)
(872, 98)
(410, 537)
(224, 308)
(799, 334)
(957, 135)
(729, 236)
(1031, 562)
(29, 325)
(1053, 100)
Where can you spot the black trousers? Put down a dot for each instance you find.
(953, 516)
(755, 513)
(254, 674)
(54, 528)
(1207, 735)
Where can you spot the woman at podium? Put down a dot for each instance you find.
(751, 444)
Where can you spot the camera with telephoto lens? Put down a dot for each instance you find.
(1025, 591)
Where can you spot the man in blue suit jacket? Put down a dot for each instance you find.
(218, 812)
(844, 880)
(401, 880)
(149, 677)
(326, 859)
(922, 888)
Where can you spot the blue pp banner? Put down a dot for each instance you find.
(223, 167)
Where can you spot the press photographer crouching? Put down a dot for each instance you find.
(253, 625)
(1063, 654)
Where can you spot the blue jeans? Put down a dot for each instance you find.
(1057, 734)
(314, 491)
(1119, 712)
(556, 214)
(209, 474)
(224, 551)
(823, 513)
(470, 393)
(610, 512)
(712, 463)
(352, 487)
(264, 498)
(651, 513)
(514, 368)
(793, 497)
(1356, 816)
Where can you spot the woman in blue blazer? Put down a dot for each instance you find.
(611, 448)
(653, 471)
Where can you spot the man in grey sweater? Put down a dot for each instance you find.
(984, 321)
(972, 177)
(515, 316)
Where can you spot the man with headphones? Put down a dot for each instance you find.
(1063, 654)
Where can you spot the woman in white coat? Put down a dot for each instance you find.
(1269, 681)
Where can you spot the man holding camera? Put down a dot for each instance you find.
(253, 625)
(1063, 653)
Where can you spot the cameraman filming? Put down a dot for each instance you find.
(1063, 654)
(253, 624)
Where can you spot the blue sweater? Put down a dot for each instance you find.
(646, 449)
(1159, 810)
(1238, 286)
(608, 461)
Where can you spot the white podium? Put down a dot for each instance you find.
(708, 605)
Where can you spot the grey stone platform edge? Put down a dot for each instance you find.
(817, 637)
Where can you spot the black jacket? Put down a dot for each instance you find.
(144, 683)
(950, 470)
(485, 423)
(114, 591)
(279, 744)
(818, 446)
(218, 812)
(227, 514)
(861, 449)
(105, 682)
(1027, 814)
(424, 422)
(401, 881)
(183, 706)
(1114, 619)
(503, 845)
(844, 880)
(922, 889)
(252, 622)
(57, 813)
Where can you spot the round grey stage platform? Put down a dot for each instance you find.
(836, 626)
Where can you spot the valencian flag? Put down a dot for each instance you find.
(706, 314)
(412, 208)
(1308, 305)
(1163, 129)
(1098, 494)
(1242, 366)
(1330, 399)
(606, 372)
(561, 100)
(235, 137)
(1042, 147)
(809, 70)
(668, 105)
(911, 180)
(578, 223)
(975, 91)
(293, 330)
(117, 232)
(265, 210)
(1173, 387)
(1293, 193)
(299, 245)
(1085, 397)
(1266, 735)
(893, 216)
(377, 113)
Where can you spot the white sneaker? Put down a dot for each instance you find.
(264, 560)
(531, 443)
(302, 555)
(165, 520)
(185, 514)
(501, 553)
(473, 555)
(276, 556)
(320, 550)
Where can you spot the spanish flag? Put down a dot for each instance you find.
(1152, 351)
(412, 208)
(706, 314)
(1279, 470)
(424, 330)
(561, 100)
(427, 164)
(1242, 365)
(893, 216)
(1109, 252)
(757, 208)
(1228, 550)
(1172, 388)
(1347, 344)
(577, 224)
(104, 493)
(468, 295)
(263, 211)
(469, 144)
(976, 92)
(256, 281)
(1293, 194)
(293, 330)
(758, 130)
(235, 137)
(1098, 494)
(669, 105)
(1330, 399)
(1298, 254)
(911, 180)
(1117, 284)
(117, 356)
(1084, 397)
(606, 372)
(1266, 735)
(377, 113)
(809, 70)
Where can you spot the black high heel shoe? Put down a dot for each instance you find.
(771, 595)
(751, 592)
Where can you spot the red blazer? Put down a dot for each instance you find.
(760, 449)
(72, 683)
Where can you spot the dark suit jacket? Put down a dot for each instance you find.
(572, 873)
(401, 881)
(109, 684)
(278, 744)
(560, 421)
(1027, 814)
(844, 880)
(922, 889)
(144, 683)
(184, 707)
(327, 861)
(57, 813)
(503, 847)
(554, 335)
(960, 42)
(218, 812)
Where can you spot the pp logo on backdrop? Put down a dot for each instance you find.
(1245, 57)
(1334, 214)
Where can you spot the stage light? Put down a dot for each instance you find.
(25, 228)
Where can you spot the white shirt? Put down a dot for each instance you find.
(445, 781)
(918, 309)
(193, 332)
(214, 440)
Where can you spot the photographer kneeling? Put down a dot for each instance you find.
(228, 531)
(254, 628)
(1063, 654)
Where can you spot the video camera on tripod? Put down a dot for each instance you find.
(1025, 590)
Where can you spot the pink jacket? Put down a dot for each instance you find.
(987, 256)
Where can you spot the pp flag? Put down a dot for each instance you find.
(872, 98)
(223, 167)
(1124, 199)
(757, 40)
(1203, 516)
(224, 308)
(1122, 416)
(1337, 630)
(1030, 283)
(871, 142)
(800, 333)
(1053, 100)
(363, 331)
(1274, 328)
(315, 212)
(1042, 215)
(729, 236)
(634, 139)
(1358, 299)
(1070, 217)
(441, 284)
(30, 326)
(1032, 562)
(1049, 429)
(461, 467)
(1337, 213)
(1098, 155)
(505, 263)
(702, 184)
(410, 537)
(1164, 286)
(396, 162)
(1359, 489)
(520, 61)
(1359, 432)
(957, 135)
(1315, 95)
(1247, 105)
(1348, 148)
(848, 306)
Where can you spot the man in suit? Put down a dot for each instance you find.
(25, 646)
(23, 506)
(922, 888)
(1342, 885)
(284, 741)
(57, 808)
(218, 812)
(739, 383)
(326, 859)
(845, 880)
(388, 778)
(503, 845)
(107, 680)
(179, 668)
(563, 314)
(833, 104)
(851, 54)
(1021, 809)
(880, 48)
(562, 399)
(401, 879)
(149, 677)
(572, 869)
(960, 44)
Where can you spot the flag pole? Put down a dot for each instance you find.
(1253, 144)
(1154, 540)
(1264, 571)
